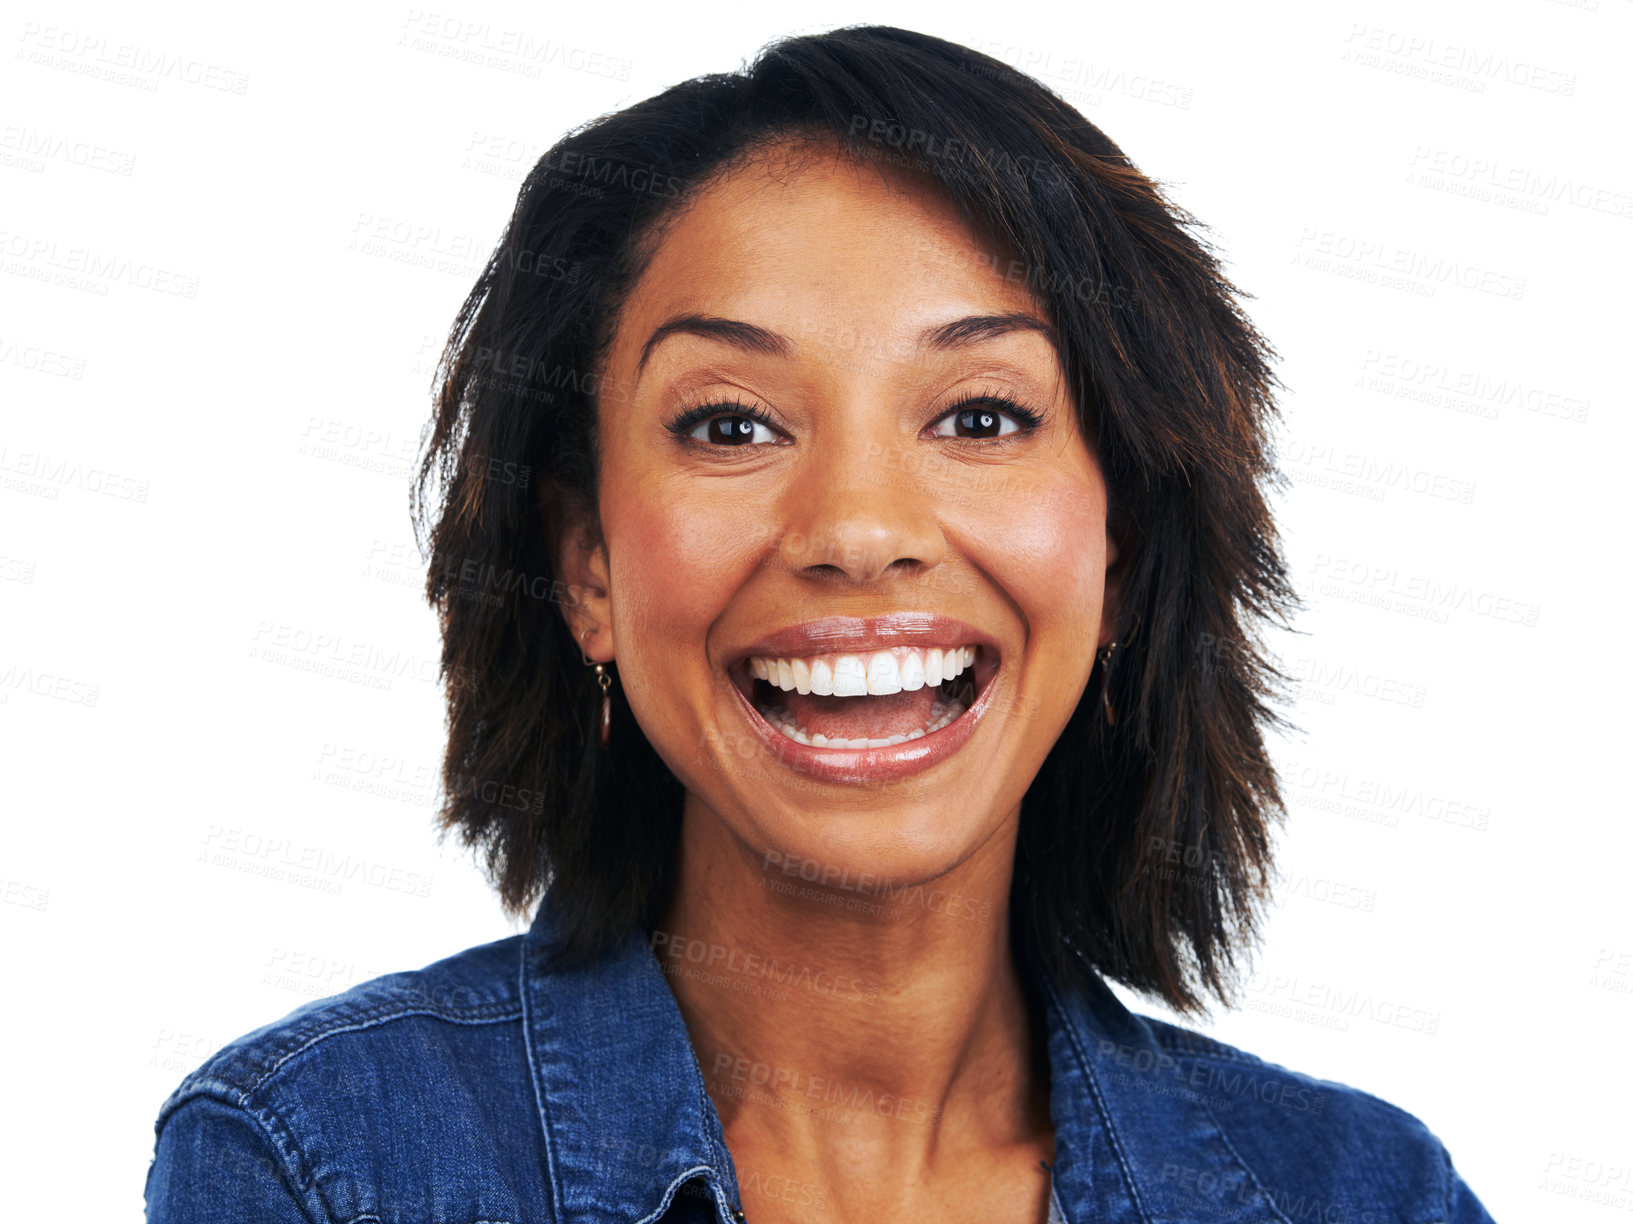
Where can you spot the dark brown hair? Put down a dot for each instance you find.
(1144, 847)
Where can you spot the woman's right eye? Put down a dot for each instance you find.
(732, 425)
(731, 430)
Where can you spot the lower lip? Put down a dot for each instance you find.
(871, 765)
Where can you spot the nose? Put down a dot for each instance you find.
(853, 514)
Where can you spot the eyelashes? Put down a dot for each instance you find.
(980, 404)
(691, 418)
(975, 401)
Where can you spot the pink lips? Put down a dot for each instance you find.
(852, 633)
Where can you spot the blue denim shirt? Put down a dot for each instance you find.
(488, 1088)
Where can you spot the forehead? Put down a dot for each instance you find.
(795, 239)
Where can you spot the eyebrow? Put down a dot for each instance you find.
(748, 338)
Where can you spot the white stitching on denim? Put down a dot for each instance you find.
(1112, 1137)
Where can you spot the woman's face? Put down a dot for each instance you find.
(888, 484)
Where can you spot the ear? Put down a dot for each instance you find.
(580, 557)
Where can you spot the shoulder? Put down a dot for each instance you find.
(1312, 1144)
(352, 1097)
(471, 989)
(1236, 1082)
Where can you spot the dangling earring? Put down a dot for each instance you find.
(1105, 683)
(605, 681)
(1104, 656)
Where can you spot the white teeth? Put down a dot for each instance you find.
(877, 672)
(822, 677)
(850, 677)
(884, 677)
(912, 672)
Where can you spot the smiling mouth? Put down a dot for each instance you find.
(865, 701)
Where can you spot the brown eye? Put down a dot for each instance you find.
(986, 422)
(984, 415)
(725, 425)
(727, 430)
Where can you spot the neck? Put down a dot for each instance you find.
(879, 1017)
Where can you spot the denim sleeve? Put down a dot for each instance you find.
(1461, 1205)
(215, 1163)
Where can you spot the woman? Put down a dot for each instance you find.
(852, 483)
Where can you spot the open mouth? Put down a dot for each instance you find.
(876, 699)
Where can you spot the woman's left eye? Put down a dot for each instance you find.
(984, 414)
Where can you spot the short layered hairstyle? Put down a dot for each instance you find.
(1144, 848)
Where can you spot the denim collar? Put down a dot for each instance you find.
(627, 1120)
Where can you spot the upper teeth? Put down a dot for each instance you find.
(856, 675)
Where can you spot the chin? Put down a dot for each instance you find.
(874, 854)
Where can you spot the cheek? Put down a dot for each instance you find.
(1046, 546)
(676, 562)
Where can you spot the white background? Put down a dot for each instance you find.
(1456, 440)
